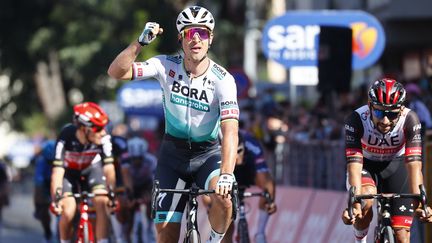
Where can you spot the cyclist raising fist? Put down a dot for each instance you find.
(200, 98)
(384, 154)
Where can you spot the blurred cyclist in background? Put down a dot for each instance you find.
(384, 154)
(141, 167)
(251, 169)
(42, 182)
(83, 150)
(415, 103)
(123, 185)
(200, 98)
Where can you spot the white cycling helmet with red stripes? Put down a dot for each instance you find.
(91, 115)
(387, 93)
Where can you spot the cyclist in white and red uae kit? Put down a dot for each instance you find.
(199, 98)
(83, 155)
(383, 152)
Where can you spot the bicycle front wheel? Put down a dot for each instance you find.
(243, 231)
(387, 235)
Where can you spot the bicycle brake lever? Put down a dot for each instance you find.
(351, 201)
(267, 197)
(235, 200)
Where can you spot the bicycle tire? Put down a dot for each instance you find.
(387, 235)
(86, 236)
(243, 231)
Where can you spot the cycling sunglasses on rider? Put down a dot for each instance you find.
(189, 33)
(380, 114)
(96, 129)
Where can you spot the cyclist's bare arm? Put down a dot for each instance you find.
(109, 173)
(354, 179)
(265, 181)
(121, 67)
(126, 178)
(56, 179)
(415, 177)
(354, 175)
(229, 130)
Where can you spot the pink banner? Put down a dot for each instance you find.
(304, 215)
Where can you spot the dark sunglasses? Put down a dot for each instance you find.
(380, 114)
(239, 150)
(189, 34)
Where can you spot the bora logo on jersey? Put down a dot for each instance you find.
(190, 97)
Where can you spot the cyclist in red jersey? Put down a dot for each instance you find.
(81, 149)
(384, 154)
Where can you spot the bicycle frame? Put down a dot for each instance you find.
(243, 227)
(192, 234)
(383, 231)
(84, 232)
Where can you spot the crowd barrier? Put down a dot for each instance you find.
(316, 164)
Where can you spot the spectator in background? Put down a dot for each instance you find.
(415, 103)
(4, 189)
(42, 181)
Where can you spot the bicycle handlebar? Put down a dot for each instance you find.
(265, 194)
(422, 198)
(193, 191)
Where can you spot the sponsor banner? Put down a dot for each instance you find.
(142, 97)
(292, 39)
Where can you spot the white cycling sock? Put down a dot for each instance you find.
(360, 235)
(215, 237)
(105, 240)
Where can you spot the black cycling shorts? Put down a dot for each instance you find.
(180, 164)
(391, 177)
(88, 179)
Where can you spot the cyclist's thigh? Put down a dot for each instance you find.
(209, 168)
(170, 206)
(367, 181)
(401, 208)
(70, 184)
(95, 178)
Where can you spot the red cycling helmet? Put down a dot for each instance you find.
(387, 92)
(90, 115)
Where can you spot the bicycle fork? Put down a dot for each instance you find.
(85, 231)
(192, 234)
(384, 220)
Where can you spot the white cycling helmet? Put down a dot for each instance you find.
(137, 147)
(195, 15)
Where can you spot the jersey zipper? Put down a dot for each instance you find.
(189, 115)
